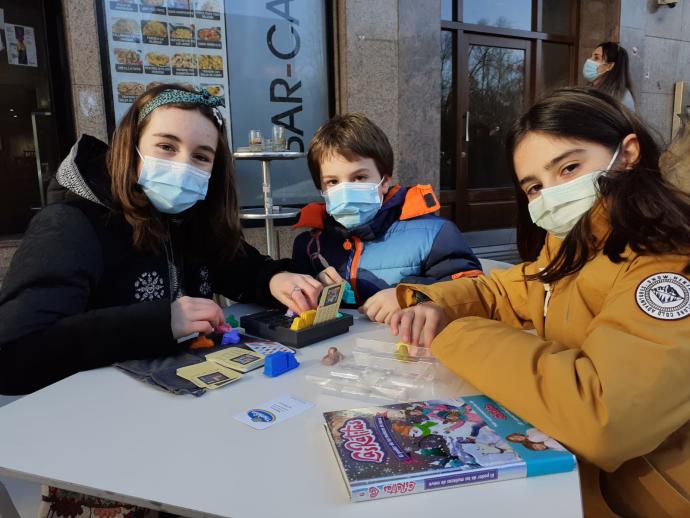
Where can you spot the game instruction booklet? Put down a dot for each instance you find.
(409, 448)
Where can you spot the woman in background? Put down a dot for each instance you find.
(607, 69)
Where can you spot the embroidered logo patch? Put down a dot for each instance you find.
(665, 296)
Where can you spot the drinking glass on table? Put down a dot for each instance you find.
(255, 140)
(279, 143)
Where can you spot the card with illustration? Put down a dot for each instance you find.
(237, 358)
(208, 375)
(269, 347)
(329, 303)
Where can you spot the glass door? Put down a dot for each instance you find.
(496, 91)
(30, 145)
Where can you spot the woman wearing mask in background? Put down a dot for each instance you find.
(608, 70)
(605, 285)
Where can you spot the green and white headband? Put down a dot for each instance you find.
(198, 97)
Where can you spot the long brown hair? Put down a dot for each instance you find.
(644, 211)
(217, 215)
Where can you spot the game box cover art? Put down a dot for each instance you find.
(422, 446)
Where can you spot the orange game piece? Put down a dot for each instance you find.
(202, 342)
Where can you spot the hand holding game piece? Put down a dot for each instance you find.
(190, 315)
(329, 276)
(419, 325)
(202, 342)
(223, 328)
(332, 357)
(298, 292)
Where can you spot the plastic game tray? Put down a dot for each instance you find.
(275, 325)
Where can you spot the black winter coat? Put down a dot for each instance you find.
(78, 295)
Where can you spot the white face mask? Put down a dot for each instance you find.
(558, 208)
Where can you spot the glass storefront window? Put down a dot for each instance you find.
(278, 75)
(447, 9)
(556, 65)
(29, 143)
(448, 111)
(507, 14)
(556, 16)
(497, 89)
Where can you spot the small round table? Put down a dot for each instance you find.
(269, 212)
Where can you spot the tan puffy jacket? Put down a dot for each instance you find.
(607, 372)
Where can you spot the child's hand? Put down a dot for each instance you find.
(381, 306)
(194, 315)
(419, 324)
(298, 292)
(330, 276)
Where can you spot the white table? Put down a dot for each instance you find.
(106, 434)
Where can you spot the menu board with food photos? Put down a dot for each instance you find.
(165, 41)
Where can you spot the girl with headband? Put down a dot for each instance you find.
(123, 262)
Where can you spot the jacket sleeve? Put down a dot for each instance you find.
(300, 254)
(500, 296)
(449, 255)
(46, 330)
(246, 277)
(616, 397)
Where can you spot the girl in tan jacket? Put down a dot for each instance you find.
(605, 288)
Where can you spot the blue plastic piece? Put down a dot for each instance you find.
(349, 295)
(232, 337)
(279, 363)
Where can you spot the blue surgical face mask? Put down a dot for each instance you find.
(590, 70)
(172, 187)
(353, 203)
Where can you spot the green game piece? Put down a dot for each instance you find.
(232, 321)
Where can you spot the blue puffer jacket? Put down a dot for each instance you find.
(404, 242)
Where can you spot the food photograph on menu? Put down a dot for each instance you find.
(210, 65)
(154, 32)
(209, 38)
(182, 35)
(154, 41)
(126, 29)
(153, 6)
(180, 8)
(128, 60)
(157, 63)
(207, 9)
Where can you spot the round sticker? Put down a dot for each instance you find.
(665, 296)
(261, 416)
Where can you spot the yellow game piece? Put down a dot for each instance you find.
(304, 320)
(402, 351)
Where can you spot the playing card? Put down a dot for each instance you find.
(208, 375)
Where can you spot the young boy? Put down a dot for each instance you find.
(369, 232)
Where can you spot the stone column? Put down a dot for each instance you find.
(389, 67)
(85, 67)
